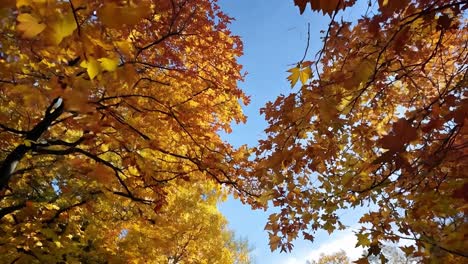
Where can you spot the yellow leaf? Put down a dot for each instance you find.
(63, 28)
(345, 106)
(109, 64)
(133, 170)
(305, 74)
(92, 67)
(104, 147)
(27, 143)
(295, 73)
(29, 25)
(298, 73)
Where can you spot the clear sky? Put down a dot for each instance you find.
(274, 37)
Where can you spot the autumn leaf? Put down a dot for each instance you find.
(325, 6)
(64, 27)
(362, 240)
(402, 133)
(92, 66)
(308, 236)
(299, 73)
(29, 25)
(274, 241)
(109, 64)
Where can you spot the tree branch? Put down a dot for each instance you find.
(8, 166)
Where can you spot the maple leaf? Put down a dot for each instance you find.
(362, 240)
(274, 241)
(402, 133)
(109, 64)
(92, 67)
(300, 73)
(64, 27)
(29, 25)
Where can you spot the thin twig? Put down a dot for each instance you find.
(308, 41)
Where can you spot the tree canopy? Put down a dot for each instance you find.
(111, 114)
(378, 120)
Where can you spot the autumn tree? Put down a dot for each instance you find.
(110, 111)
(189, 228)
(339, 257)
(378, 120)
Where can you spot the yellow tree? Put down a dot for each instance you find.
(105, 108)
(339, 257)
(379, 119)
(103, 228)
(190, 229)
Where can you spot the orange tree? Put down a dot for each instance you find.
(109, 110)
(379, 119)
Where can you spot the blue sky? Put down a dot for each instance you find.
(275, 37)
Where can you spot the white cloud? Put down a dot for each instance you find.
(292, 260)
(346, 241)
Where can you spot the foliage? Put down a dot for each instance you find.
(109, 121)
(391, 254)
(382, 123)
(104, 228)
(325, 6)
(110, 113)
